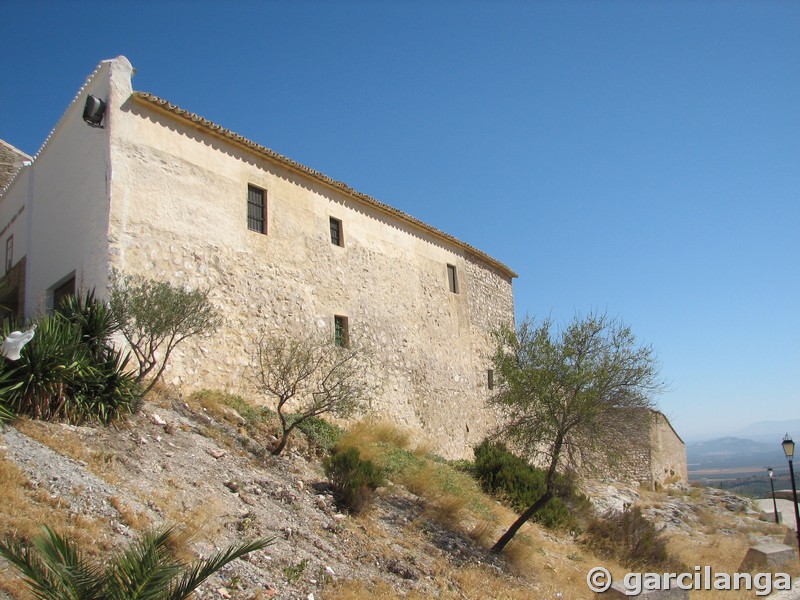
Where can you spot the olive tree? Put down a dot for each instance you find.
(578, 395)
(309, 376)
(156, 316)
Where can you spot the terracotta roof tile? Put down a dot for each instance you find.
(11, 160)
(265, 152)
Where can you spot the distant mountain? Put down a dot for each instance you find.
(771, 432)
(768, 432)
(734, 452)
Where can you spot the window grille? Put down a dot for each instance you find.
(256, 210)
(340, 331)
(336, 232)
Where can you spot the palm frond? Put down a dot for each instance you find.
(145, 570)
(202, 569)
(56, 571)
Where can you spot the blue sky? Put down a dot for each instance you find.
(637, 158)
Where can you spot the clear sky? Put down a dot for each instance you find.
(638, 158)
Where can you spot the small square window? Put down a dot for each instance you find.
(341, 334)
(336, 232)
(256, 210)
(452, 278)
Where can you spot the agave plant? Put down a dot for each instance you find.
(53, 568)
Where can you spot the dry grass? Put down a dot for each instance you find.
(371, 432)
(138, 521)
(25, 509)
(65, 441)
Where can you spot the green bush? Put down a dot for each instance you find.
(519, 485)
(321, 434)
(629, 538)
(354, 479)
(70, 370)
(507, 476)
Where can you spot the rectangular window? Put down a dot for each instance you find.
(256, 210)
(9, 253)
(452, 278)
(336, 232)
(340, 331)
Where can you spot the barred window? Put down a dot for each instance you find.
(340, 331)
(256, 210)
(336, 232)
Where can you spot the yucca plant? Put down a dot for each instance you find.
(53, 568)
(109, 392)
(71, 370)
(47, 371)
(94, 320)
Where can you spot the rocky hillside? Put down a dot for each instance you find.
(177, 463)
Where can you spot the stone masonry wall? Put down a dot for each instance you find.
(668, 452)
(179, 206)
(662, 461)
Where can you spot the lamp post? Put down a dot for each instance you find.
(772, 485)
(788, 449)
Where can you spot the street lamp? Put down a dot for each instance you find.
(772, 485)
(788, 450)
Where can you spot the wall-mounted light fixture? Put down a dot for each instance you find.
(93, 111)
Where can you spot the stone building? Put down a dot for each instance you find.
(128, 181)
(662, 461)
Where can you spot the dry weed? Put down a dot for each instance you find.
(55, 436)
(138, 521)
(27, 508)
(371, 432)
(65, 441)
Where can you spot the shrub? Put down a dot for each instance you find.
(516, 483)
(155, 317)
(507, 476)
(353, 478)
(630, 538)
(308, 376)
(321, 434)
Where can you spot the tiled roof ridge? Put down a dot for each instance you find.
(204, 123)
(12, 159)
(15, 150)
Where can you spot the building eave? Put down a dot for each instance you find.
(292, 165)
